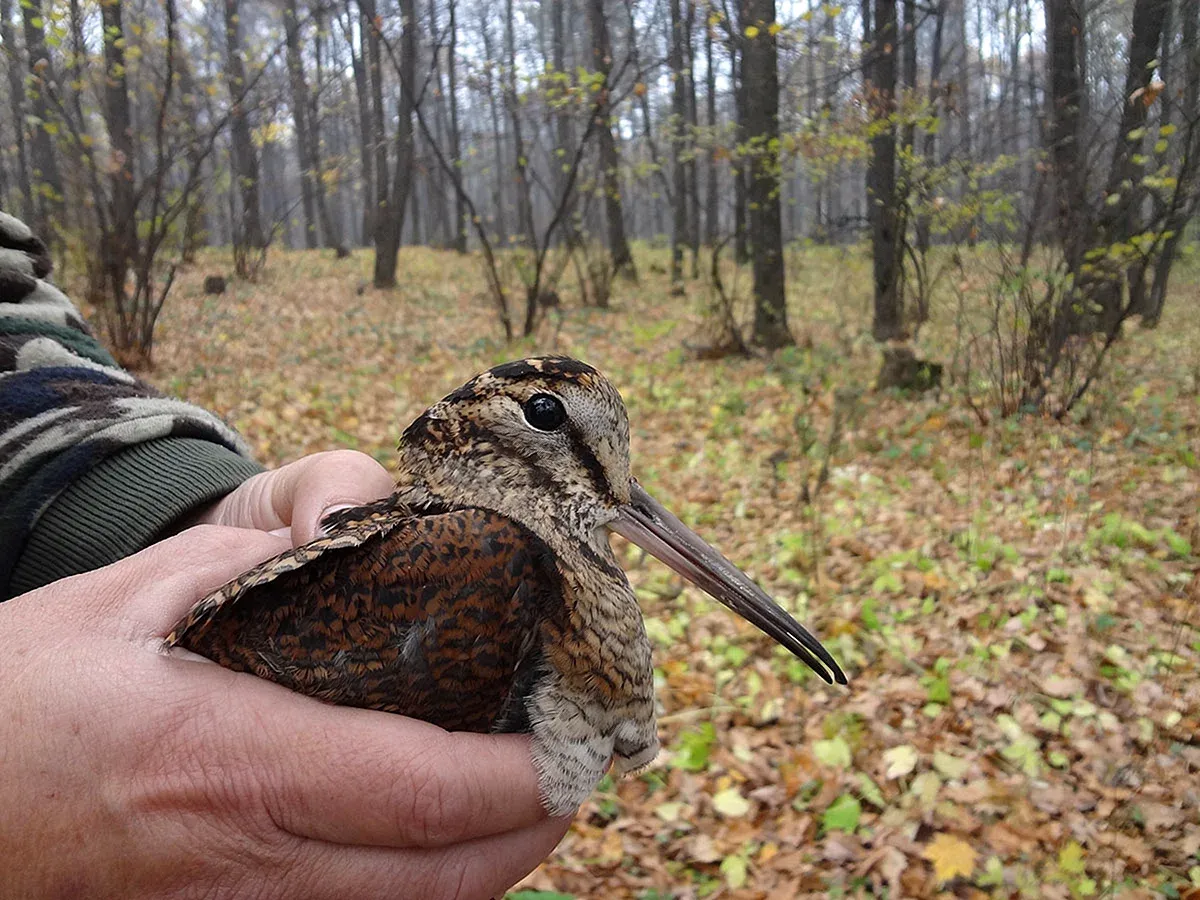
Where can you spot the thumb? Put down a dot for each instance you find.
(151, 591)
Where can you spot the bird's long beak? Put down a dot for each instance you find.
(652, 527)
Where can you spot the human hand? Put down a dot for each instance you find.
(293, 499)
(130, 772)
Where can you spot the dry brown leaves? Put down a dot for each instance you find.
(1017, 606)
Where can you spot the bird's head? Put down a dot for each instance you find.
(545, 441)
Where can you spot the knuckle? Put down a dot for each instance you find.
(366, 468)
(351, 460)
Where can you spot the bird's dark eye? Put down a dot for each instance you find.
(544, 412)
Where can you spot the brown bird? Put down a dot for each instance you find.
(483, 594)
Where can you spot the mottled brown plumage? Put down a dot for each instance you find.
(427, 615)
(483, 594)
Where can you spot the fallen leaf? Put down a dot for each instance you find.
(1070, 858)
(951, 857)
(843, 814)
(731, 803)
(950, 767)
(1060, 686)
(669, 812)
(900, 760)
(703, 849)
(834, 752)
(734, 868)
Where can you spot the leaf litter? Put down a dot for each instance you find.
(1016, 604)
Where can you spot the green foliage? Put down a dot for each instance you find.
(842, 815)
(694, 748)
(1121, 533)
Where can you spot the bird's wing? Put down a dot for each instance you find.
(346, 529)
(428, 615)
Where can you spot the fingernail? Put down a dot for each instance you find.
(322, 531)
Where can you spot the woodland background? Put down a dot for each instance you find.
(901, 297)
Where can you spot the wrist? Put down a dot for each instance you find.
(125, 503)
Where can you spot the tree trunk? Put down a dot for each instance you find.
(366, 128)
(761, 78)
(416, 223)
(805, 186)
(887, 322)
(434, 177)
(119, 240)
(460, 208)
(16, 87)
(391, 212)
(1011, 93)
(985, 148)
(712, 210)
(563, 131)
(909, 59)
(610, 164)
(679, 219)
(249, 233)
(833, 187)
(1063, 28)
(300, 116)
(929, 148)
(498, 195)
(45, 176)
(78, 137)
(512, 101)
(1075, 218)
(194, 219)
(693, 125)
(962, 100)
(741, 251)
(331, 227)
(1120, 215)
(1187, 191)
(374, 65)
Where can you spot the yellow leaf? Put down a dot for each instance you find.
(950, 766)
(775, 28)
(1070, 859)
(752, 31)
(900, 761)
(668, 812)
(951, 856)
(731, 803)
(734, 868)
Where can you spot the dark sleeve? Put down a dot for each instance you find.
(94, 464)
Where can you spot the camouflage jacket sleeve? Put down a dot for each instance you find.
(94, 463)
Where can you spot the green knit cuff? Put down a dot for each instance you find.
(124, 504)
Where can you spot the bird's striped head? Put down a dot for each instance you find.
(539, 439)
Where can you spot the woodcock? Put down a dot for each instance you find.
(483, 594)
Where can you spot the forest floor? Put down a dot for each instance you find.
(1017, 604)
